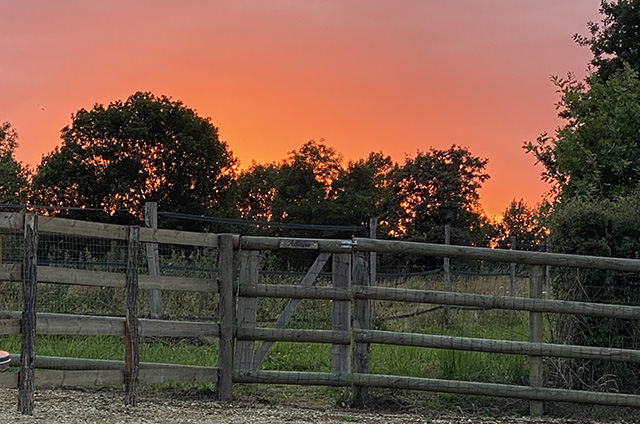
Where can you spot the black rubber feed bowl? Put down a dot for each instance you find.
(4, 359)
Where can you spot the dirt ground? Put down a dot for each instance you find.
(106, 407)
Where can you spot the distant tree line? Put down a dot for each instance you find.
(150, 148)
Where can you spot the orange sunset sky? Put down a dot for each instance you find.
(396, 76)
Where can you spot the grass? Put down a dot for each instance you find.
(289, 356)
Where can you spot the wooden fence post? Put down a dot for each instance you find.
(156, 308)
(512, 270)
(247, 308)
(535, 336)
(224, 385)
(373, 261)
(446, 265)
(547, 273)
(361, 321)
(373, 255)
(341, 316)
(28, 323)
(131, 329)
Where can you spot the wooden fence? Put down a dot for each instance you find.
(239, 358)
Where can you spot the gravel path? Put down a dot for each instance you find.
(106, 407)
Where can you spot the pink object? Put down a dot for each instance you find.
(4, 359)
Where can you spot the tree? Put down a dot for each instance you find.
(311, 187)
(597, 152)
(362, 190)
(146, 148)
(593, 162)
(614, 41)
(256, 190)
(13, 176)
(436, 188)
(523, 222)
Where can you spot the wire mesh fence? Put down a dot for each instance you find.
(427, 335)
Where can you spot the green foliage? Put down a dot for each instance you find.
(436, 188)
(593, 162)
(601, 228)
(363, 188)
(13, 176)
(146, 148)
(597, 152)
(614, 41)
(524, 224)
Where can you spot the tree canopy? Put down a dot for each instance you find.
(436, 188)
(597, 152)
(593, 162)
(413, 201)
(145, 148)
(614, 40)
(13, 176)
(522, 222)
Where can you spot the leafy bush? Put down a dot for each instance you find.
(600, 228)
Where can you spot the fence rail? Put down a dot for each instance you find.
(237, 285)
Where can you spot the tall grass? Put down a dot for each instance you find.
(288, 356)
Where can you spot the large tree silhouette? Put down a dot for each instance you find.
(146, 148)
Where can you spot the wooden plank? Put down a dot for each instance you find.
(153, 260)
(150, 235)
(293, 335)
(157, 328)
(512, 270)
(28, 320)
(446, 265)
(10, 326)
(11, 272)
(100, 378)
(182, 374)
(48, 274)
(361, 321)
(496, 255)
(490, 301)
(454, 251)
(90, 325)
(80, 364)
(373, 262)
(436, 385)
(273, 243)
(444, 298)
(373, 257)
(119, 232)
(497, 346)
(286, 315)
(247, 307)
(81, 277)
(72, 227)
(178, 283)
(227, 319)
(85, 378)
(341, 312)
(535, 336)
(296, 292)
(12, 221)
(131, 333)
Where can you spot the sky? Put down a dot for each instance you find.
(390, 76)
